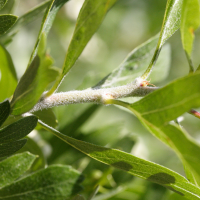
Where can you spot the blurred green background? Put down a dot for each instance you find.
(128, 24)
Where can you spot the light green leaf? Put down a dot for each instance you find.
(25, 19)
(18, 130)
(133, 165)
(8, 80)
(171, 24)
(6, 21)
(171, 101)
(2, 3)
(34, 82)
(90, 18)
(190, 20)
(4, 111)
(34, 148)
(136, 63)
(166, 104)
(53, 183)
(14, 166)
(47, 22)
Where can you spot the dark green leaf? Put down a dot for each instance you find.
(6, 21)
(4, 111)
(8, 149)
(90, 18)
(171, 24)
(53, 183)
(18, 129)
(8, 81)
(2, 3)
(34, 82)
(14, 166)
(47, 22)
(47, 116)
(133, 165)
(136, 63)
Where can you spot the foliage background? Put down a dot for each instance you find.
(126, 26)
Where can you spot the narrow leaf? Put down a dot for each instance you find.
(6, 21)
(171, 24)
(47, 22)
(34, 82)
(2, 3)
(190, 20)
(166, 104)
(8, 149)
(134, 165)
(14, 166)
(90, 18)
(53, 183)
(136, 63)
(8, 80)
(4, 111)
(18, 129)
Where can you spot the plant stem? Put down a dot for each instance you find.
(99, 96)
(195, 113)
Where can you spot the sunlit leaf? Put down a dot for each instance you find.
(134, 165)
(47, 22)
(6, 21)
(171, 24)
(14, 166)
(90, 18)
(8, 80)
(190, 20)
(166, 104)
(136, 63)
(53, 183)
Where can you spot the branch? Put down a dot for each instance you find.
(98, 96)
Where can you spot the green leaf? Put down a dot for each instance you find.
(18, 130)
(14, 166)
(90, 18)
(171, 101)
(78, 197)
(134, 165)
(47, 22)
(136, 63)
(190, 20)
(171, 24)
(25, 19)
(34, 148)
(2, 3)
(53, 183)
(6, 21)
(4, 111)
(8, 149)
(34, 82)
(47, 116)
(8, 80)
(166, 104)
